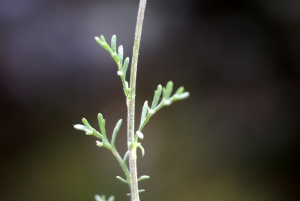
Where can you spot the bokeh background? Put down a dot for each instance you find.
(236, 137)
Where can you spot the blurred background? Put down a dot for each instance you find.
(236, 137)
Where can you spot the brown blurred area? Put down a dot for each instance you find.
(236, 137)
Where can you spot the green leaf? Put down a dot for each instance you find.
(116, 130)
(115, 57)
(156, 97)
(183, 96)
(141, 148)
(125, 66)
(111, 198)
(101, 122)
(126, 156)
(97, 134)
(113, 43)
(120, 54)
(180, 90)
(98, 198)
(168, 90)
(144, 112)
(82, 128)
(86, 123)
(101, 41)
(122, 180)
(143, 177)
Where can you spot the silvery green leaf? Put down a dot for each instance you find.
(143, 177)
(98, 198)
(101, 122)
(144, 112)
(125, 66)
(168, 90)
(116, 130)
(86, 123)
(120, 53)
(111, 198)
(180, 90)
(156, 97)
(141, 148)
(101, 41)
(113, 43)
(183, 95)
(122, 180)
(115, 57)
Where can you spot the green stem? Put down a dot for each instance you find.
(122, 164)
(131, 103)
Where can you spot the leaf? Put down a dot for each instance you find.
(86, 123)
(115, 57)
(144, 112)
(101, 122)
(101, 41)
(96, 134)
(122, 180)
(120, 54)
(156, 97)
(111, 198)
(125, 66)
(141, 148)
(126, 156)
(180, 90)
(142, 190)
(183, 95)
(98, 198)
(143, 177)
(113, 43)
(168, 90)
(82, 128)
(116, 130)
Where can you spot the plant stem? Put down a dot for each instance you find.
(131, 103)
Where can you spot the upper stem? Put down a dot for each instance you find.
(131, 103)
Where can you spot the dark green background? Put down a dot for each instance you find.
(236, 138)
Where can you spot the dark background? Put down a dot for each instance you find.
(236, 137)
